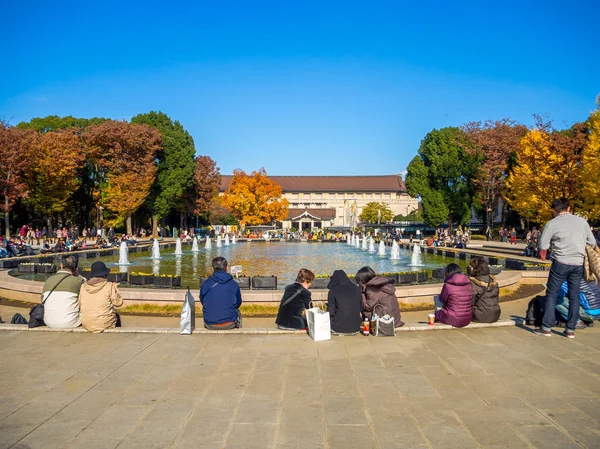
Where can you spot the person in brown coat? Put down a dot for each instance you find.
(378, 291)
(98, 299)
(486, 308)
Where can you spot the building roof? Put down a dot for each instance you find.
(322, 214)
(376, 183)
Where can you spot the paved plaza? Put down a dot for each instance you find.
(491, 388)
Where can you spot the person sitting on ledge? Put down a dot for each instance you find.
(454, 302)
(296, 298)
(486, 308)
(221, 298)
(98, 299)
(60, 295)
(344, 304)
(378, 290)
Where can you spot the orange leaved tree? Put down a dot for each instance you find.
(125, 159)
(56, 159)
(14, 160)
(255, 199)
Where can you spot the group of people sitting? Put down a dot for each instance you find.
(71, 301)
(348, 303)
(14, 248)
(463, 299)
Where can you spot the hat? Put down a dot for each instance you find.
(99, 270)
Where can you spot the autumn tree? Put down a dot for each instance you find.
(220, 214)
(83, 201)
(176, 165)
(547, 166)
(207, 180)
(591, 166)
(124, 157)
(493, 143)
(54, 172)
(14, 161)
(255, 199)
(441, 175)
(375, 212)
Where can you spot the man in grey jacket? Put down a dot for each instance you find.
(567, 235)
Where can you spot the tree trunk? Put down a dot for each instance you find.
(504, 210)
(129, 227)
(181, 220)
(6, 218)
(49, 227)
(154, 226)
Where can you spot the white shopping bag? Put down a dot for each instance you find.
(319, 326)
(188, 314)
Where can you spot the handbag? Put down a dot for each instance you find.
(382, 326)
(36, 314)
(319, 324)
(188, 314)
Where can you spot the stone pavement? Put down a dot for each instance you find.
(491, 388)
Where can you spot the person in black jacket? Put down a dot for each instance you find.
(296, 298)
(344, 303)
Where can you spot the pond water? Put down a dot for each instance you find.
(282, 259)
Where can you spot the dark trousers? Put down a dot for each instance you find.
(559, 273)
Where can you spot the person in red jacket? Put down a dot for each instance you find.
(455, 298)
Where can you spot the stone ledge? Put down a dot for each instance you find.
(418, 327)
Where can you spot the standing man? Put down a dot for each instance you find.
(221, 298)
(61, 296)
(567, 235)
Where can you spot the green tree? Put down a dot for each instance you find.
(176, 165)
(55, 123)
(441, 175)
(376, 213)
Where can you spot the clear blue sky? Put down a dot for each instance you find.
(302, 87)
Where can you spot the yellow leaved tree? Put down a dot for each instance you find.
(255, 199)
(591, 166)
(547, 166)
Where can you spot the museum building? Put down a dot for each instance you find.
(337, 201)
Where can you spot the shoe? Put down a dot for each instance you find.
(580, 325)
(569, 334)
(542, 332)
(590, 324)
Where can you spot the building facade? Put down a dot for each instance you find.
(337, 201)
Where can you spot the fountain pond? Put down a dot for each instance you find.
(281, 259)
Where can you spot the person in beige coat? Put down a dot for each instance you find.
(98, 299)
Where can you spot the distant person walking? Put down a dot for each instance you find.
(567, 235)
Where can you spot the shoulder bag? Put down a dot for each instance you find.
(36, 314)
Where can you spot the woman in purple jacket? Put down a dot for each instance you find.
(455, 298)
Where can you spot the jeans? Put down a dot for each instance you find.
(560, 273)
(237, 324)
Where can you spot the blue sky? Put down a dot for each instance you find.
(311, 87)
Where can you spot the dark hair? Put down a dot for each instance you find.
(560, 205)
(305, 275)
(479, 267)
(219, 263)
(364, 275)
(451, 269)
(70, 262)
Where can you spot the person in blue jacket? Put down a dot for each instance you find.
(589, 302)
(221, 298)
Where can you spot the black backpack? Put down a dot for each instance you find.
(535, 311)
(18, 319)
